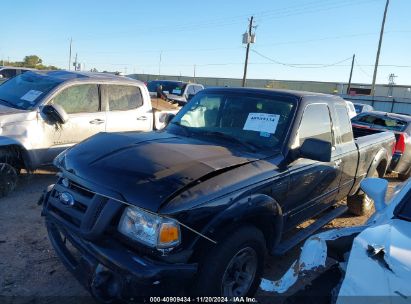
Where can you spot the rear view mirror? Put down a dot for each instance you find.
(316, 149)
(376, 189)
(55, 114)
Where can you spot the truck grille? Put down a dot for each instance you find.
(80, 208)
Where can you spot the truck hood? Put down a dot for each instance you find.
(13, 115)
(146, 169)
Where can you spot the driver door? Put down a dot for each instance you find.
(314, 184)
(82, 104)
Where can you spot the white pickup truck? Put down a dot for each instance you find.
(43, 113)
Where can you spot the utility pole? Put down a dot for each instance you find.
(248, 38)
(75, 63)
(378, 52)
(349, 80)
(71, 41)
(391, 84)
(194, 73)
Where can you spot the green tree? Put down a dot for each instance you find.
(32, 61)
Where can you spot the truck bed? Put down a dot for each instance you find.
(368, 146)
(161, 107)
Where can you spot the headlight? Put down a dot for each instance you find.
(149, 229)
(58, 162)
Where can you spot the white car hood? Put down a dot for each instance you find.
(11, 116)
(9, 110)
(387, 271)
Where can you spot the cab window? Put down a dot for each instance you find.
(316, 123)
(344, 124)
(123, 97)
(82, 98)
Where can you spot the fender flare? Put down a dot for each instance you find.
(382, 155)
(257, 209)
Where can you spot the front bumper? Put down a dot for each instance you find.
(111, 271)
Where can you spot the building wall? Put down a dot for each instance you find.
(398, 102)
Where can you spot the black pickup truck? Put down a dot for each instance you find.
(192, 209)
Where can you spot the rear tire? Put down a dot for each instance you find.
(359, 203)
(234, 266)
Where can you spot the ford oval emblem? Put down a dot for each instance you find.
(66, 199)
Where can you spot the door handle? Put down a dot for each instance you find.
(96, 121)
(142, 118)
(337, 163)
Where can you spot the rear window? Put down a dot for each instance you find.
(168, 87)
(384, 122)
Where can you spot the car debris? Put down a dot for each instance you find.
(374, 259)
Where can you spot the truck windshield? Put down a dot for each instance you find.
(169, 87)
(240, 118)
(378, 121)
(26, 90)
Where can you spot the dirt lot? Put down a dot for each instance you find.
(29, 268)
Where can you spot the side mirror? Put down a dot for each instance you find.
(55, 113)
(376, 189)
(316, 149)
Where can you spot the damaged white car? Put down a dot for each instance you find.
(365, 264)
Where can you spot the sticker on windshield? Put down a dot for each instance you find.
(31, 95)
(176, 91)
(262, 122)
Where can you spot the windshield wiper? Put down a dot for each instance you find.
(251, 146)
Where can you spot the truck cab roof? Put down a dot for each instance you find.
(64, 76)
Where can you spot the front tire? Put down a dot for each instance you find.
(8, 179)
(234, 266)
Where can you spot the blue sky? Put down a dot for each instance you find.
(129, 36)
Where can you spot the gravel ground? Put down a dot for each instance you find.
(29, 268)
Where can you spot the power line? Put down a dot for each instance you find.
(361, 69)
(301, 65)
(298, 9)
